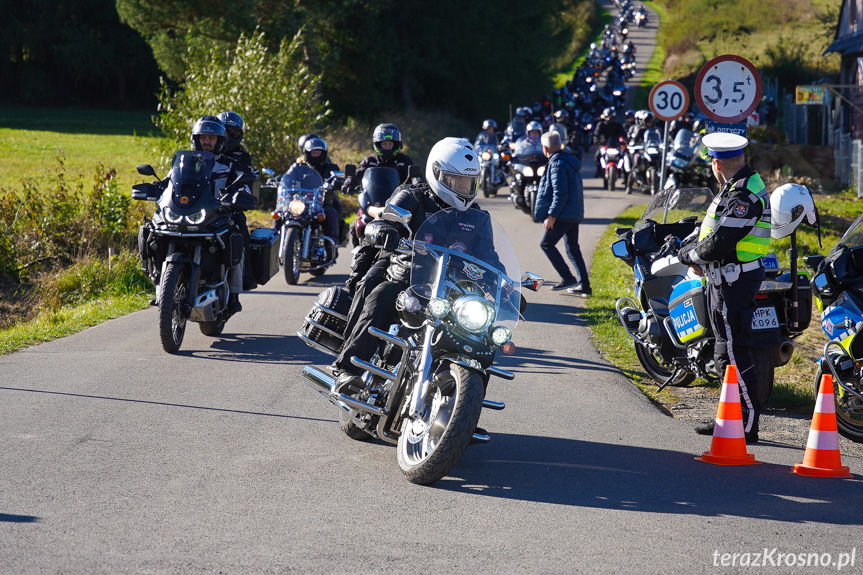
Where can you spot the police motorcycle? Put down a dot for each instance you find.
(426, 385)
(191, 243)
(838, 287)
(299, 219)
(643, 163)
(528, 166)
(668, 318)
(377, 185)
(611, 162)
(686, 166)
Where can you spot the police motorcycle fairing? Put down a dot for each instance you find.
(191, 242)
(426, 385)
(299, 219)
(668, 318)
(837, 284)
(687, 167)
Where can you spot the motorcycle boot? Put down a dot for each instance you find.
(234, 305)
(349, 384)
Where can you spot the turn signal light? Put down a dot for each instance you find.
(508, 348)
(275, 215)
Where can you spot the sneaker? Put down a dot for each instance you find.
(349, 383)
(564, 284)
(579, 289)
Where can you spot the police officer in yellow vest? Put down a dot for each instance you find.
(733, 238)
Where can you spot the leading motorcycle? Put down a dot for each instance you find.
(668, 318)
(190, 244)
(426, 386)
(528, 166)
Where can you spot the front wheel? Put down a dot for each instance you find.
(652, 180)
(293, 257)
(849, 410)
(172, 320)
(659, 371)
(430, 445)
(485, 180)
(612, 177)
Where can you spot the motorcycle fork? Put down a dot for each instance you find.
(421, 385)
(307, 237)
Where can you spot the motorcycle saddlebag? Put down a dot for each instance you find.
(325, 323)
(688, 309)
(264, 254)
(232, 255)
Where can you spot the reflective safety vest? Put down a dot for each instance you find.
(757, 241)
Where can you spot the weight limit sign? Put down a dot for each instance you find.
(728, 89)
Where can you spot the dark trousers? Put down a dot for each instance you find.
(332, 223)
(731, 308)
(240, 219)
(569, 232)
(374, 305)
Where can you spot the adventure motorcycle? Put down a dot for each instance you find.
(668, 319)
(426, 386)
(687, 168)
(643, 163)
(610, 160)
(378, 184)
(528, 166)
(191, 243)
(838, 287)
(299, 219)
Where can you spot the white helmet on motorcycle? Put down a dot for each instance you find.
(452, 171)
(789, 204)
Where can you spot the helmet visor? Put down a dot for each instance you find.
(463, 186)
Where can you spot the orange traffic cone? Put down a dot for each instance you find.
(729, 441)
(822, 458)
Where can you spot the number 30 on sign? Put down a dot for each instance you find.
(728, 89)
(668, 100)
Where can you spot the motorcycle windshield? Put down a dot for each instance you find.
(379, 184)
(300, 180)
(675, 204)
(459, 254)
(853, 237)
(190, 175)
(527, 151)
(652, 138)
(685, 142)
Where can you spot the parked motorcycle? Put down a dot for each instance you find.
(528, 166)
(643, 163)
(426, 385)
(299, 219)
(378, 184)
(610, 161)
(838, 287)
(189, 246)
(668, 318)
(686, 166)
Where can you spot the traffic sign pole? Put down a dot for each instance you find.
(668, 101)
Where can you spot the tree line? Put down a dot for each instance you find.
(470, 58)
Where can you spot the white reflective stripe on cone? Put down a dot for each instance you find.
(728, 428)
(823, 440)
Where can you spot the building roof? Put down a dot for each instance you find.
(847, 45)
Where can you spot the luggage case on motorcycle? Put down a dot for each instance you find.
(688, 310)
(324, 326)
(264, 254)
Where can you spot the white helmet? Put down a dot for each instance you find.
(789, 204)
(452, 171)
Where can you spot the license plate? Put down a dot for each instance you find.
(765, 318)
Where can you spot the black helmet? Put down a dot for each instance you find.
(629, 115)
(311, 145)
(561, 115)
(301, 143)
(387, 133)
(649, 118)
(234, 125)
(489, 124)
(210, 126)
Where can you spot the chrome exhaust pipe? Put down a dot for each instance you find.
(326, 386)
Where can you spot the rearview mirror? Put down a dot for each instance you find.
(531, 281)
(812, 262)
(393, 213)
(620, 249)
(350, 170)
(414, 172)
(146, 170)
(268, 172)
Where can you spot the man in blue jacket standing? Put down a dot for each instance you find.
(560, 208)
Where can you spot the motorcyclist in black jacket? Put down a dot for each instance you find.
(236, 152)
(387, 141)
(315, 155)
(452, 172)
(608, 130)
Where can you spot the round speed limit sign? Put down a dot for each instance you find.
(668, 100)
(728, 89)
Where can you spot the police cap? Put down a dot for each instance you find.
(722, 145)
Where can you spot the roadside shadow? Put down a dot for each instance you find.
(534, 359)
(608, 476)
(9, 518)
(562, 314)
(259, 348)
(327, 280)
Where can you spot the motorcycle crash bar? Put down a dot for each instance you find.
(326, 385)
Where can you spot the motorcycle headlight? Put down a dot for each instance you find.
(297, 207)
(486, 155)
(438, 307)
(473, 313)
(540, 171)
(171, 217)
(197, 218)
(617, 92)
(500, 335)
(527, 172)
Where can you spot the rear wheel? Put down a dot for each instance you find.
(849, 410)
(431, 444)
(212, 328)
(172, 320)
(658, 370)
(652, 180)
(293, 257)
(764, 372)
